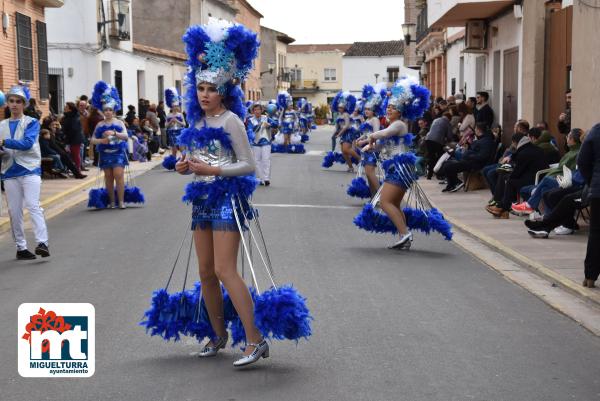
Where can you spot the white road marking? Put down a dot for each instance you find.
(305, 206)
(315, 153)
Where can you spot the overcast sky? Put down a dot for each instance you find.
(333, 21)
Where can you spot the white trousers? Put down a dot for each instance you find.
(25, 192)
(262, 156)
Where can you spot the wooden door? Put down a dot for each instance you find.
(510, 95)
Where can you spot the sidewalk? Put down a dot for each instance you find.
(68, 191)
(558, 258)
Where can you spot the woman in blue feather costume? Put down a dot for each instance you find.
(110, 137)
(175, 123)
(216, 151)
(408, 100)
(345, 103)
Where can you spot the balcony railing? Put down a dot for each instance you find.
(422, 27)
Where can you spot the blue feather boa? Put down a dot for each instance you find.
(194, 138)
(98, 197)
(213, 194)
(426, 221)
(359, 188)
(169, 162)
(335, 157)
(279, 314)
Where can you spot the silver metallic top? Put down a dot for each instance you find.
(389, 140)
(238, 162)
(341, 125)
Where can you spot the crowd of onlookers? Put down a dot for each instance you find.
(530, 173)
(65, 138)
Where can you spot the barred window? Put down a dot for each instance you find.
(24, 46)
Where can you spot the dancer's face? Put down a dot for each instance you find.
(16, 106)
(108, 113)
(209, 97)
(257, 111)
(368, 113)
(392, 113)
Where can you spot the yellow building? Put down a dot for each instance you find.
(316, 71)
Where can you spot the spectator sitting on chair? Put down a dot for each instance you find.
(543, 139)
(550, 181)
(481, 152)
(527, 160)
(47, 152)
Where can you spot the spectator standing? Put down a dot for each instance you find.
(32, 110)
(73, 133)
(440, 132)
(21, 172)
(162, 121)
(483, 112)
(589, 166)
(130, 116)
(84, 115)
(564, 119)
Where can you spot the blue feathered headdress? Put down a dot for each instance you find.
(220, 53)
(172, 98)
(344, 99)
(105, 96)
(284, 99)
(409, 98)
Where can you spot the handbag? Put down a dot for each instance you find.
(566, 180)
(441, 160)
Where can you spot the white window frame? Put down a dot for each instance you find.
(327, 75)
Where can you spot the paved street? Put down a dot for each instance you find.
(429, 324)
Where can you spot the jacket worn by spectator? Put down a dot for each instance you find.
(484, 114)
(551, 153)
(481, 152)
(440, 131)
(71, 125)
(564, 127)
(46, 148)
(569, 160)
(589, 160)
(527, 161)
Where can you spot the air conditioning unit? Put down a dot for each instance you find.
(475, 35)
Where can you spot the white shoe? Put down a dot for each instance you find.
(535, 216)
(261, 350)
(217, 344)
(404, 242)
(562, 230)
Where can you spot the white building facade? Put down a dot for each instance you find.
(373, 62)
(79, 56)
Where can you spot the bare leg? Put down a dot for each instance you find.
(346, 153)
(226, 244)
(109, 184)
(211, 289)
(120, 181)
(372, 179)
(286, 139)
(391, 198)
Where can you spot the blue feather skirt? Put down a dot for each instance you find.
(169, 162)
(279, 313)
(400, 170)
(294, 149)
(98, 197)
(359, 188)
(111, 160)
(335, 157)
(172, 135)
(349, 136)
(369, 158)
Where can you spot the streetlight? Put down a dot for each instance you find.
(270, 68)
(122, 9)
(409, 31)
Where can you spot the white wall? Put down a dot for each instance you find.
(359, 71)
(75, 22)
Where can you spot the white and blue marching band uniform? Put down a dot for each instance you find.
(398, 163)
(222, 54)
(260, 129)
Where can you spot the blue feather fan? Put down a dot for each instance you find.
(169, 162)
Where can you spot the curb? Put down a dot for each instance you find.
(87, 183)
(526, 262)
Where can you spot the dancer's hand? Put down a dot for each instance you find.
(108, 133)
(201, 168)
(182, 165)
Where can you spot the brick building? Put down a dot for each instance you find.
(23, 54)
(250, 17)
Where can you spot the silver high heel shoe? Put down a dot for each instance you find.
(218, 343)
(260, 350)
(404, 242)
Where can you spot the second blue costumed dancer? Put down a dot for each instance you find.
(218, 154)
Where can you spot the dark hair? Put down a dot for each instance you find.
(453, 109)
(568, 91)
(463, 108)
(438, 99)
(524, 125)
(473, 100)
(72, 106)
(32, 102)
(484, 95)
(481, 126)
(84, 98)
(443, 102)
(577, 133)
(447, 115)
(131, 107)
(44, 131)
(517, 136)
(535, 132)
(543, 123)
